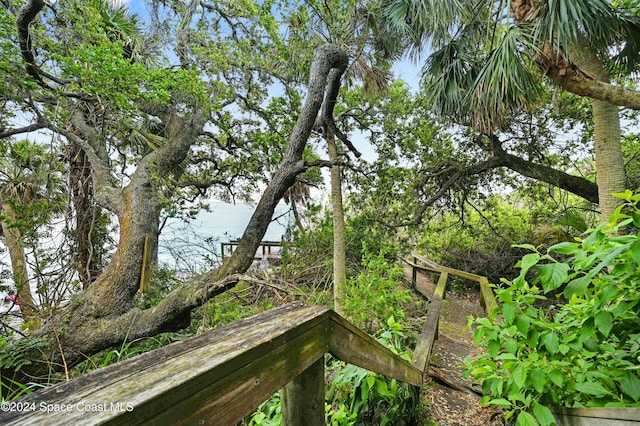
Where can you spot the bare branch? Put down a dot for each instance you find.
(333, 88)
(30, 128)
(26, 15)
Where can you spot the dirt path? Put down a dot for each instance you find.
(450, 399)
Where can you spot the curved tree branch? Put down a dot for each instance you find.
(575, 184)
(577, 82)
(326, 59)
(333, 88)
(26, 129)
(26, 15)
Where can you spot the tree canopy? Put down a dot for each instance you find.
(111, 120)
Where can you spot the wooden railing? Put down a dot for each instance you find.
(218, 377)
(265, 249)
(600, 416)
(221, 376)
(429, 333)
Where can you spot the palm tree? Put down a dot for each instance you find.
(29, 193)
(13, 240)
(350, 25)
(489, 58)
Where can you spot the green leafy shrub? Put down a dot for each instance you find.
(358, 396)
(481, 242)
(15, 353)
(308, 259)
(268, 414)
(582, 353)
(374, 294)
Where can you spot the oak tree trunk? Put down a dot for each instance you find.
(103, 315)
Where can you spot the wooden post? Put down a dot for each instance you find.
(303, 397)
(414, 275)
(422, 353)
(147, 259)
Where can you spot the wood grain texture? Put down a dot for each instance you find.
(429, 332)
(217, 378)
(352, 345)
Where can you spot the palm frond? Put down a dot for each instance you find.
(449, 74)
(628, 55)
(562, 23)
(422, 20)
(506, 83)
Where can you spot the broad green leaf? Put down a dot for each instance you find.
(528, 260)
(563, 349)
(626, 195)
(506, 355)
(522, 323)
(556, 377)
(635, 250)
(382, 389)
(538, 379)
(565, 247)
(525, 246)
(593, 238)
(365, 392)
(543, 414)
(508, 312)
(526, 419)
(592, 388)
(577, 286)
(552, 275)
(519, 376)
(494, 348)
(551, 342)
(500, 402)
(630, 385)
(604, 322)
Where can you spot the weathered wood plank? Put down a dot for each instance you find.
(352, 345)
(420, 285)
(424, 260)
(303, 398)
(228, 400)
(215, 378)
(487, 298)
(151, 379)
(430, 265)
(429, 333)
(89, 383)
(599, 417)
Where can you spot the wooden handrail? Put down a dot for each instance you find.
(487, 298)
(429, 334)
(217, 377)
(221, 376)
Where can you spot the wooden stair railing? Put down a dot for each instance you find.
(422, 353)
(221, 376)
(218, 377)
